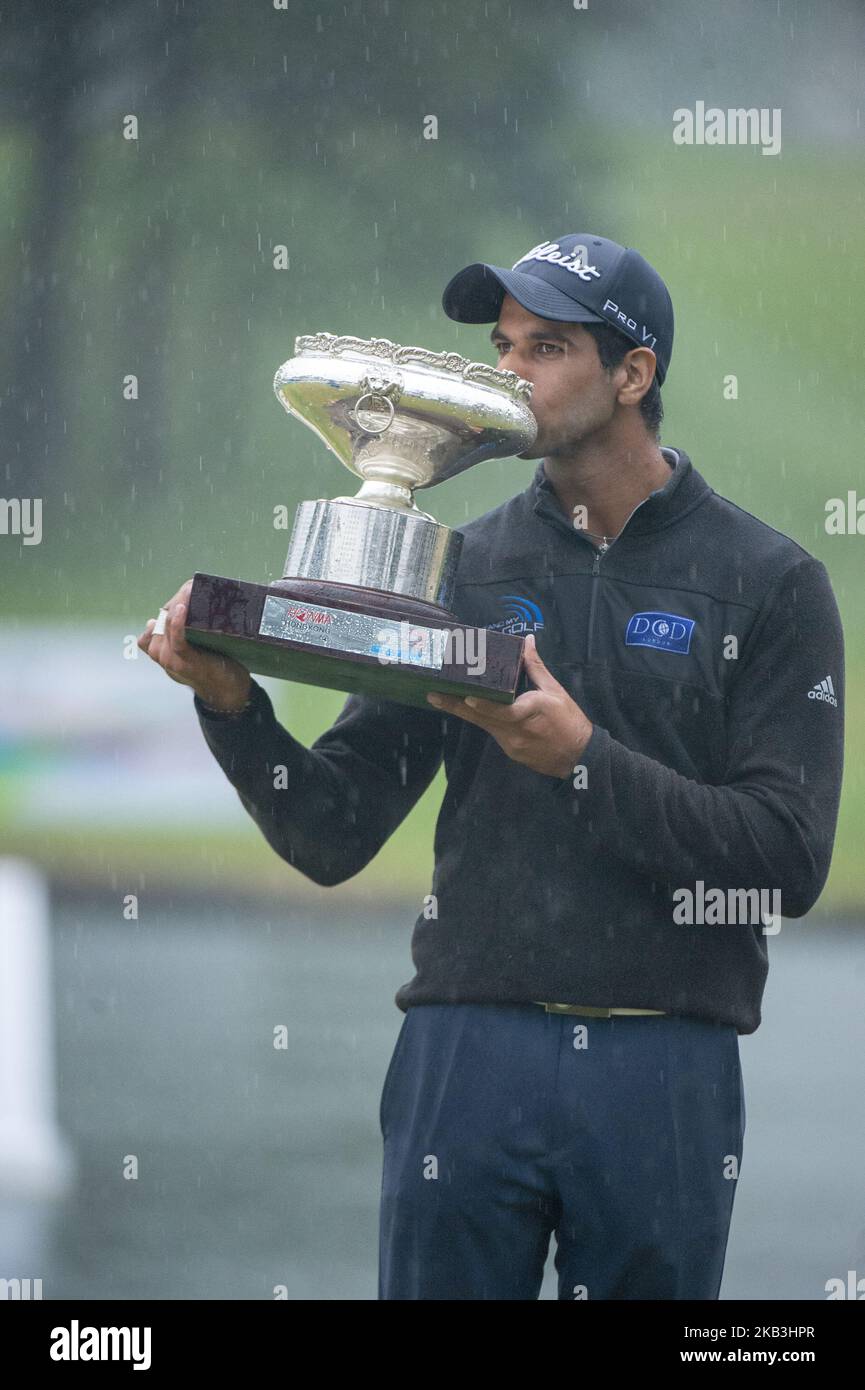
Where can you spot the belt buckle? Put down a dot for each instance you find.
(583, 1010)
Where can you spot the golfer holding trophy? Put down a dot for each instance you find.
(568, 1061)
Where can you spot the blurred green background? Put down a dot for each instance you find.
(303, 128)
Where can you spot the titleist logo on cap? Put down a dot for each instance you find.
(575, 260)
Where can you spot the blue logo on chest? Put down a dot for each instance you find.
(524, 616)
(667, 631)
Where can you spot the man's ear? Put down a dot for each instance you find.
(639, 365)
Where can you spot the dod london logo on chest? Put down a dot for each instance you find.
(669, 632)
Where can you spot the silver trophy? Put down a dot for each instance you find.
(364, 602)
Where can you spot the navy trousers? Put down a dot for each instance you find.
(503, 1123)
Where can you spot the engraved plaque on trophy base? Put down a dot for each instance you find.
(354, 639)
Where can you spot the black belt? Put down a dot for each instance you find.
(590, 1012)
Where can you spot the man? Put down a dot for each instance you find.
(608, 845)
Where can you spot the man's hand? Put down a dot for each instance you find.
(544, 728)
(220, 682)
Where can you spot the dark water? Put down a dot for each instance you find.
(260, 1167)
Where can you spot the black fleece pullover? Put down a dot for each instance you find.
(707, 650)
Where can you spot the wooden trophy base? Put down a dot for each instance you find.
(348, 638)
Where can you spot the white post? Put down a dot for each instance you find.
(35, 1160)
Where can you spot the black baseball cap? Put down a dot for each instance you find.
(579, 278)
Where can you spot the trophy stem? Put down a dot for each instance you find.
(376, 492)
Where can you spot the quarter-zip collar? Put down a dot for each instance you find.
(684, 489)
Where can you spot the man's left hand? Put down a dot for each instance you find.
(544, 728)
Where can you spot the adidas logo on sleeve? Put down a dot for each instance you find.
(824, 690)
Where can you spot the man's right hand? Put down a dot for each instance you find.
(220, 682)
